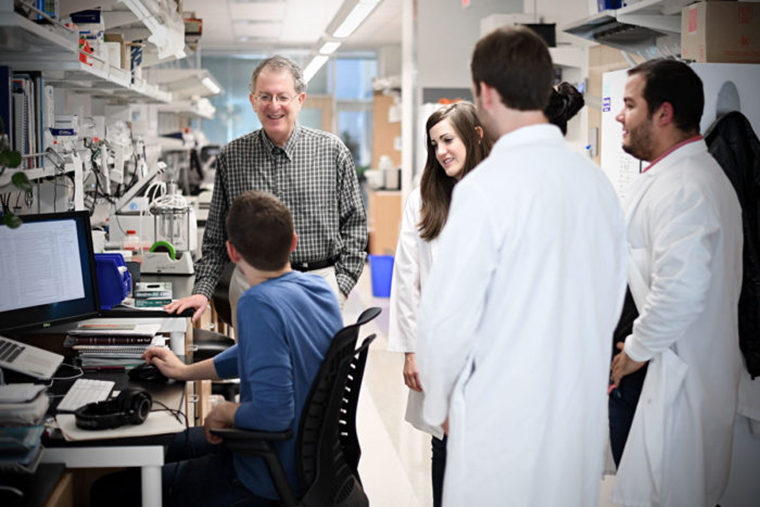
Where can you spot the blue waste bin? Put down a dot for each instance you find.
(381, 269)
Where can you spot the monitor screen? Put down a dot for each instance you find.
(47, 271)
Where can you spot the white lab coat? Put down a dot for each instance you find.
(411, 267)
(516, 322)
(685, 244)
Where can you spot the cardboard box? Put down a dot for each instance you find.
(727, 32)
(117, 37)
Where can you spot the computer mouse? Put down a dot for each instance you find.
(147, 373)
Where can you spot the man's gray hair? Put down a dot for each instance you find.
(279, 63)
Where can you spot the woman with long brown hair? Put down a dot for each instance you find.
(456, 143)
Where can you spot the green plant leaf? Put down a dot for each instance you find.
(21, 181)
(10, 158)
(11, 220)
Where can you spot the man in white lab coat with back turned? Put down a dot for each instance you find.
(685, 272)
(516, 321)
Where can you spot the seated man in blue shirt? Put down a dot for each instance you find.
(286, 320)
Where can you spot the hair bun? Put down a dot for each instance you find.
(572, 98)
(564, 103)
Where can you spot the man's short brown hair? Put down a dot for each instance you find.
(260, 227)
(667, 80)
(516, 62)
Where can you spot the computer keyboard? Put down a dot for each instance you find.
(84, 391)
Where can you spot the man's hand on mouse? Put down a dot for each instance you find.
(166, 361)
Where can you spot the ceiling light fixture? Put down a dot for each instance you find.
(351, 14)
(329, 47)
(314, 65)
(210, 85)
(258, 21)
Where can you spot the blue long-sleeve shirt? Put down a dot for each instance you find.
(285, 327)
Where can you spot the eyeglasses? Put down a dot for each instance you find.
(265, 98)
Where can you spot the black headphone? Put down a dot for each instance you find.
(130, 407)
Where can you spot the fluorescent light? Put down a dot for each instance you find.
(329, 48)
(211, 85)
(314, 65)
(355, 18)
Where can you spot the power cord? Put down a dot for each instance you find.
(78, 373)
(173, 411)
(176, 413)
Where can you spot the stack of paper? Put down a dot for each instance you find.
(107, 344)
(22, 407)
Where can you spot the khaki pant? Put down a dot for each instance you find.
(238, 285)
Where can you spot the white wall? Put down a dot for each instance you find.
(561, 12)
(389, 60)
(447, 34)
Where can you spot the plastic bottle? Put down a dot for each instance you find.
(132, 242)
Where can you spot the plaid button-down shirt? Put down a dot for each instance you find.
(314, 176)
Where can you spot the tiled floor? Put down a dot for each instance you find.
(395, 463)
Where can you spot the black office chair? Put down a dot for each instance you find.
(207, 343)
(210, 343)
(327, 444)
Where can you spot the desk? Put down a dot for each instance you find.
(144, 452)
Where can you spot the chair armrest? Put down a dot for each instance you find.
(236, 434)
(261, 443)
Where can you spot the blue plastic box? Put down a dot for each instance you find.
(114, 280)
(604, 5)
(381, 269)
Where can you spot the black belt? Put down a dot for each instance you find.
(311, 266)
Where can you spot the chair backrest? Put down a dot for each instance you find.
(221, 295)
(327, 444)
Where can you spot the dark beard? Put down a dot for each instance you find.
(640, 145)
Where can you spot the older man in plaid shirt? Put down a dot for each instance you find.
(311, 171)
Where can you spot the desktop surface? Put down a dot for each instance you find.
(171, 394)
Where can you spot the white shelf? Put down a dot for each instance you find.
(185, 84)
(31, 174)
(22, 37)
(99, 79)
(139, 19)
(27, 46)
(659, 15)
(167, 28)
(200, 108)
(647, 27)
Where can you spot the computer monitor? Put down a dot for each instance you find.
(47, 271)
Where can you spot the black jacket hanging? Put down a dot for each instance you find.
(733, 143)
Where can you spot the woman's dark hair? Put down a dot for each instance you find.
(564, 103)
(436, 186)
